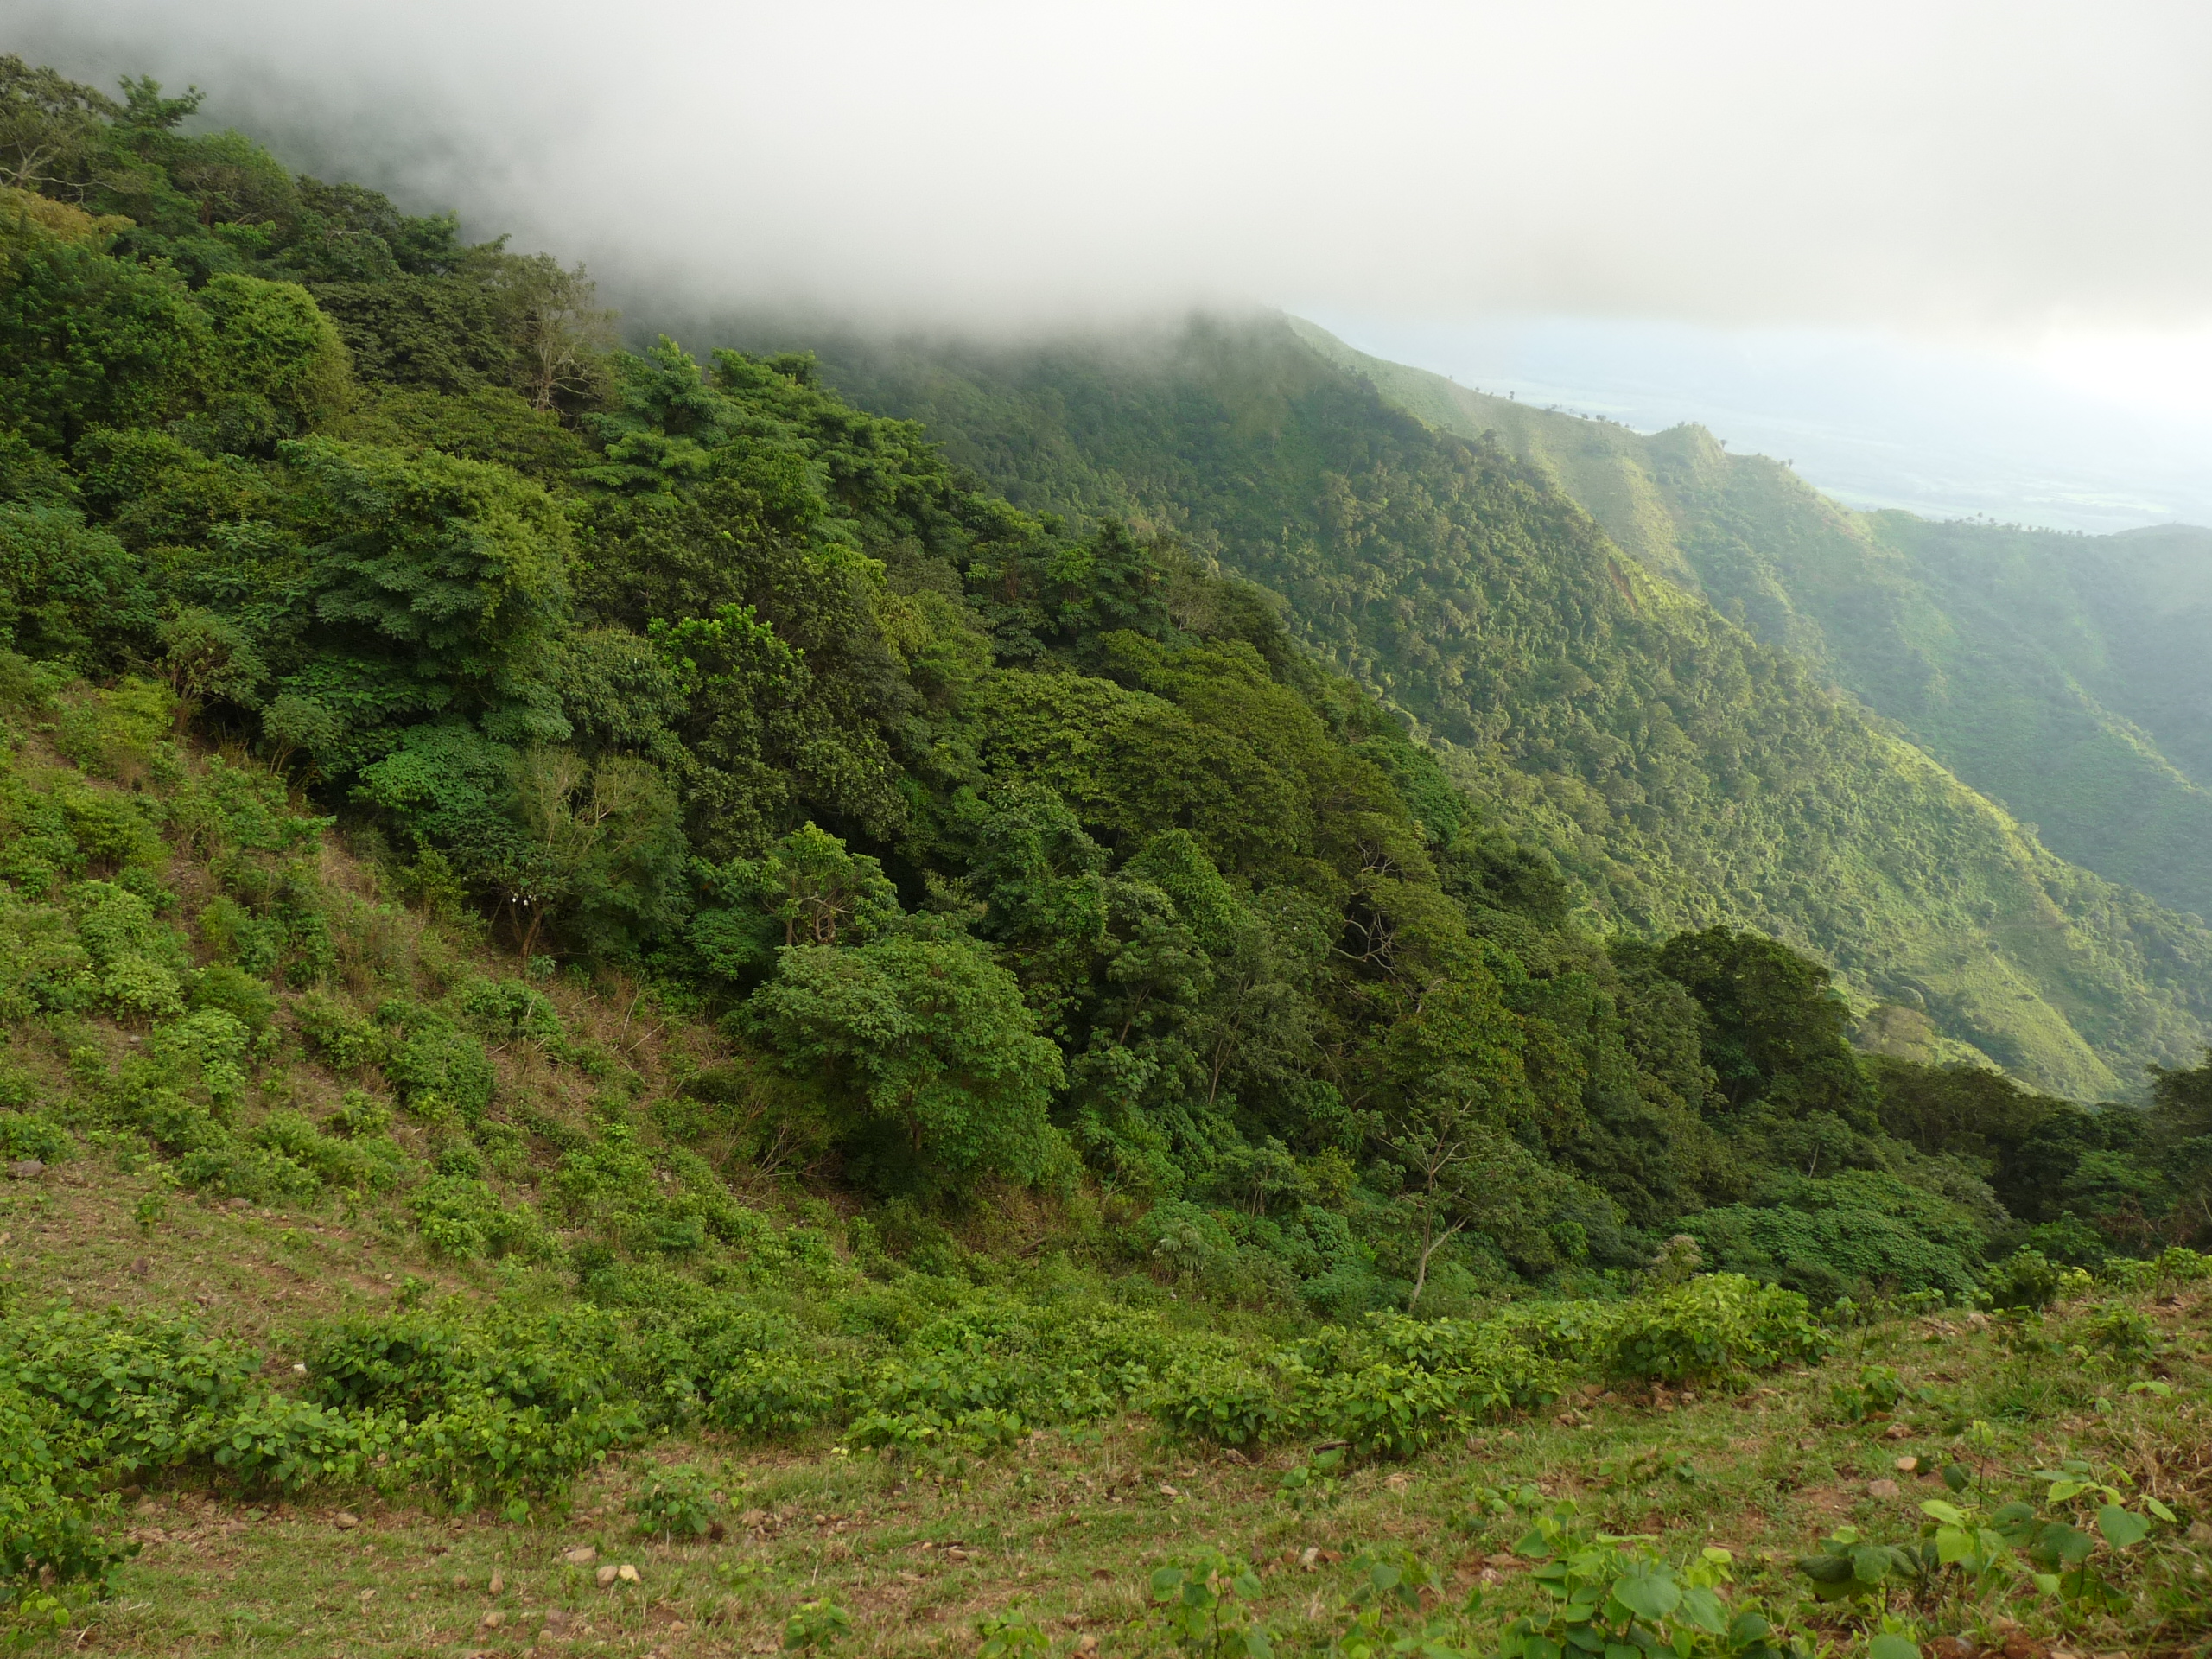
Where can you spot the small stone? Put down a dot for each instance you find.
(1881, 1489)
(1896, 1432)
(27, 1169)
(241, 1204)
(1908, 1466)
(627, 1573)
(493, 1619)
(345, 1521)
(582, 1555)
(605, 1575)
(499, 1584)
(1086, 1643)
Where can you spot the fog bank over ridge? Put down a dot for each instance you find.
(1841, 242)
(1958, 168)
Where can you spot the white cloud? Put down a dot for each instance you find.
(1961, 168)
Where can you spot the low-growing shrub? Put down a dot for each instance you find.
(366, 1163)
(1878, 1390)
(768, 1395)
(236, 991)
(337, 1036)
(2027, 1279)
(1389, 1410)
(488, 1451)
(678, 1499)
(460, 1217)
(359, 1113)
(506, 1009)
(442, 1073)
(1717, 1327)
(1216, 1398)
(2175, 1265)
(35, 1134)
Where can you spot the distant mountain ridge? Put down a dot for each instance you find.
(2062, 675)
(1682, 772)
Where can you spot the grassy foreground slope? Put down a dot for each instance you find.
(1063, 1533)
(375, 1298)
(1052, 1539)
(2060, 674)
(1681, 772)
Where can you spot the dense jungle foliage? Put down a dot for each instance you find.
(807, 947)
(2059, 674)
(1003, 853)
(1682, 774)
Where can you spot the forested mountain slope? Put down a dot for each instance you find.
(606, 940)
(973, 858)
(1681, 772)
(2062, 675)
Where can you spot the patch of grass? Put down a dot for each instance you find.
(1068, 1525)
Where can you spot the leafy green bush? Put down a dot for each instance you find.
(1203, 1605)
(273, 1439)
(56, 1527)
(1878, 1389)
(35, 1134)
(236, 991)
(507, 1008)
(486, 1451)
(368, 1163)
(1393, 1410)
(361, 1114)
(2175, 1265)
(460, 1217)
(1517, 1361)
(143, 1393)
(2128, 1334)
(136, 958)
(1717, 1327)
(1212, 1397)
(814, 1625)
(442, 1072)
(769, 1395)
(337, 1036)
(2027, 1279)
(678, 1498)
(1621, 1596)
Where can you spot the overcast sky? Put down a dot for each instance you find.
(2021, 180)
